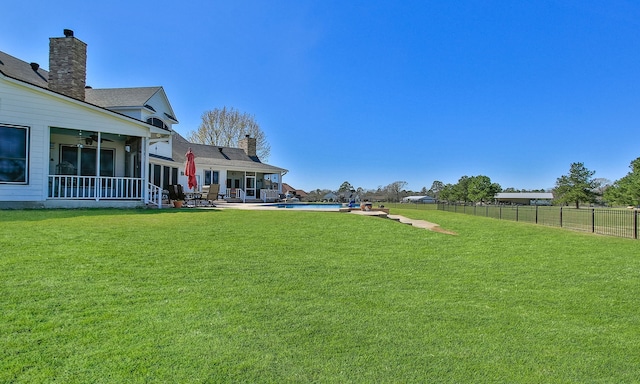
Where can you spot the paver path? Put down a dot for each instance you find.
(404, 220)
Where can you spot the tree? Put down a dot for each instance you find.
(446, 193)
(345, 187)
(436, 187)
(345, 192)
(225, 127)
(626, 191)
(578, 186)
(480, 188)
(393, 190)
(460, 190)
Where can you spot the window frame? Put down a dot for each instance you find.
(23, 141)
(212, 176)
(90, 154)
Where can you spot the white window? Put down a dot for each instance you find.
(14, 154)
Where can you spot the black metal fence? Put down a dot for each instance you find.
(603, 221)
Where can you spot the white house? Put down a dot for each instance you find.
(63, 144)
(239, 172)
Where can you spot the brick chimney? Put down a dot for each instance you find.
(68, 65)
(248, 144)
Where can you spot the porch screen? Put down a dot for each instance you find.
(14, 159)
(85, 159)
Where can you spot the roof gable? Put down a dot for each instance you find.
(153, 99)
(120, 97)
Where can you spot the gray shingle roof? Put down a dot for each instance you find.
(105, 98)
(21, 70)
(214, 155)
(120, 97)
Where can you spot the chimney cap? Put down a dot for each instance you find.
(34, 66)
(68, 33)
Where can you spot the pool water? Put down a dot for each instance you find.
(328, 207)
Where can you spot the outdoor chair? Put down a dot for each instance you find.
(214, 193)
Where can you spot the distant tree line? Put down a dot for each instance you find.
(577, 187)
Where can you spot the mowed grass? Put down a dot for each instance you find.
(110, 296)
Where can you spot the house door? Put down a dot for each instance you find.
(250, 182)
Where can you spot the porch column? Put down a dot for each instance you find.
(96, 189)
(144, 158)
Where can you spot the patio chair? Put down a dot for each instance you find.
(214, 193)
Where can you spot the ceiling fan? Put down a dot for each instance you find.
(89, 140)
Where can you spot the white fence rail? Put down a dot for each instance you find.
(235, 193)
(269, 194)
(94, 187)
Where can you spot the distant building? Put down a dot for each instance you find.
(330, 197)
(419, 200)
(289, 190)
(524, 198)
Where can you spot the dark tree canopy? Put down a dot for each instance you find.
(481, 189)
(626, 191)
(346, 186)
(576, 187)
(469, 188)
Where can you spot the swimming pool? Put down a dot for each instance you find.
(309, 206)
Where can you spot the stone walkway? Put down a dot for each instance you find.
(404, 220)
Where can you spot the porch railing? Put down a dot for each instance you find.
(154, 195)
(269, 194)
(235, 193)
(94, 187)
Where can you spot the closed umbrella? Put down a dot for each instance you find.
(190, 170)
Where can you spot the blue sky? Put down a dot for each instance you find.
(374, 92)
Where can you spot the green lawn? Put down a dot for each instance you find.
(177, 296)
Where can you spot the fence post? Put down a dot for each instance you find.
(501, 212)
(516, 213)
(536, 213)
(561, 216)
(635, 224)
(593, 220)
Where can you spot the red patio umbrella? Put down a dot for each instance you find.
(190, 169)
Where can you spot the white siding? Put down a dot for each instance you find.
(160, 103)
(39, 110)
